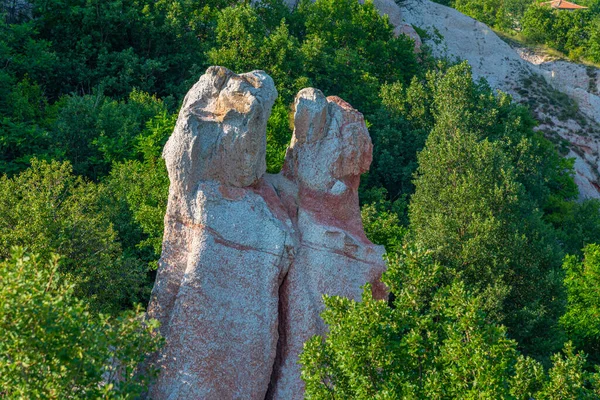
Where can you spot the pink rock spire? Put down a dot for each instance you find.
(247, 256)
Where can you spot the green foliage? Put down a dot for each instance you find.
(582, 317)
(137, 199)
(577, 224)
(497, 13)
(396, 143)
(476, 206)
(433, 343)
(95, 131)
(350, 51)
(537, 23)
(22, 100)
(384, 222)
(279, 135)
(340, 46)
(249, 38)
(137, 192)
(72, 54)
(49, 210)
(500, 14)
(568, 378)
(124, 44)
(568, 32)
(53, 347)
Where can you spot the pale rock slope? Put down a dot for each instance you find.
(247, 256)
(578, 131)
(455, 36)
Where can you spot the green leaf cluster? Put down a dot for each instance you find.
(433, 342)
(582, 317)
(478, 206)
(47, 209)
(53, 347)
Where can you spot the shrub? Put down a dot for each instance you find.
(53, 347)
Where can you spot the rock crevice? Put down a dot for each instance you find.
(247, 256)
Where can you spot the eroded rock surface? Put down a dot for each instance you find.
(330, 148)
(247, 256)
(226, 246)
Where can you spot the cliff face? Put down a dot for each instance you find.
(247, 256)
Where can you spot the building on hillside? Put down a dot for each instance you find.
(563, 5)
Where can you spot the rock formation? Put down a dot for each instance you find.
(319, 187)
(247, 256)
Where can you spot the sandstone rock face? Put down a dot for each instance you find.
(319, 186)
(408, 30)
(247, 256)
(227, 245)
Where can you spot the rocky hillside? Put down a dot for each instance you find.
(563, 96)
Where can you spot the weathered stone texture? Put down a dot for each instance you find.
(247, 256)
(330, 148)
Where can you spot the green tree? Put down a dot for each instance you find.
(582, 317)
(137, 202)
(94, 131)
(53, 347)
(279, 134)
(350, 51)
(23, 103)
(154, 46)
(49, 210)
(577, 224)
(473, 209)
(137, 193)
(490, 12)
(252, 37)
(435, 342)
(384, 221)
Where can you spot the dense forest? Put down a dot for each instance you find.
(493, 264)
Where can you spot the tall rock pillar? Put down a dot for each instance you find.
(226, 248)
(329, 151)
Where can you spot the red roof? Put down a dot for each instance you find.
(563, 5)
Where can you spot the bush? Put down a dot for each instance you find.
(582, 318)
(52, 347)
(49, 210)
(434, 342)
